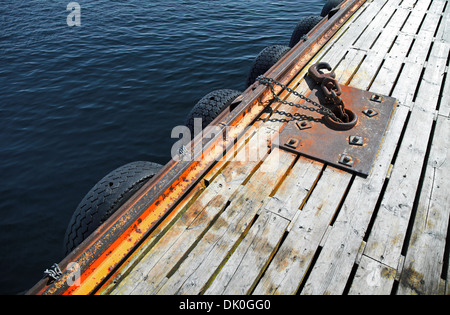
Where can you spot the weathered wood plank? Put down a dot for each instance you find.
(291, 262)
(336, 40)
(389, 72)
(408, 4)
(443, 33)
(429, 25)
(355, 29)
(422, 5)
(417, 55)
(405, 89)
(295, 189)
(444, 108)
(126, 271)
(375, 57)
(185, 230)
(338, 255)
(410, 76)
(401, 46)
(347, 66)
(242, 270)
(386, 238)
(425, 254)
(286, 202)
(413, 22)
(419, 50)
(388, 35)
(387, 76)
(196, 269)
(372, 278)
(125, 275)
(437, 6)
(188, 228)
(389, 13)
(367, 71)
(430, 85)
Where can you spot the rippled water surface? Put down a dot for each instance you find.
(78, 102)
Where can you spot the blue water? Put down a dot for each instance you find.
(78, 102)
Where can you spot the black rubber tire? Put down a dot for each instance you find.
(106, 197)
(331, 4)
(210, 106)
(265, 60)
(303, 27)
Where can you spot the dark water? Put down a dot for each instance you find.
(78, 102)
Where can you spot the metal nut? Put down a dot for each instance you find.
(370, 112)
(356, 140)
(376, 98)
(304, 125)
(346, 160)
(292, 143)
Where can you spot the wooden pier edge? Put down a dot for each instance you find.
(266, 221)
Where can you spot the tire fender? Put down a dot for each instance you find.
(210, 106)
(304, 26)
(268, 57)
(105, 198)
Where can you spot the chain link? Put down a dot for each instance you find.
(54, 272)
(321, 109)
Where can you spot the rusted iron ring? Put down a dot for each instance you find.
(331, 123)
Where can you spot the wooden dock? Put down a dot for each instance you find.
(285, 224)
(279, 223)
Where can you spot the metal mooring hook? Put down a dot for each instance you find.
(317, 76)
(331, 89)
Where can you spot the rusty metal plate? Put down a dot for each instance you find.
(354, 150)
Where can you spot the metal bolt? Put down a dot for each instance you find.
(346, 160)
(356, 140)
(293, 143)
(370, 112)
(304, 125)
(376, 98)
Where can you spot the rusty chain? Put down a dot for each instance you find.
(321, 109)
